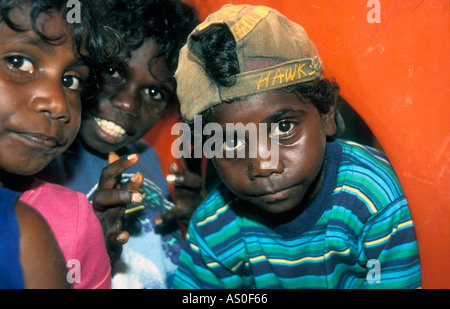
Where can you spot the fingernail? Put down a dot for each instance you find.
(121, 238)
(171, 178)
(135, 177)
(174, 166)
(132, 157)
(136, 197)
(158, 220)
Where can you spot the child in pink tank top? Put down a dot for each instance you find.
(78, 232)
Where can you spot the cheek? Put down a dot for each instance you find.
(72, 128)
(149, 116)
(303, 160)
(232, 174)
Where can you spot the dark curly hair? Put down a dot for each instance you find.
(89, 34)
(218, 53)
(168, 22)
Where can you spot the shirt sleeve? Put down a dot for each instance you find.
(388, 247)
(200, 268)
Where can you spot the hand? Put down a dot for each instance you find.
(111, 198)
(189, 193)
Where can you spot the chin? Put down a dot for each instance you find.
(274, 206)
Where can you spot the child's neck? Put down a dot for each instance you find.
(17, 183)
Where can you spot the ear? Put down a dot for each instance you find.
(328, 121)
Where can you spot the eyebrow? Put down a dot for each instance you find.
(273, 118)
(49, 48)
(38, 42)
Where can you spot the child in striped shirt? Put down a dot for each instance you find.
(325, 213)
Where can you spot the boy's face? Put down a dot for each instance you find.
(129, 103)
(40, 107)
(275, 187)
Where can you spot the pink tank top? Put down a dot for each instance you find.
(78, 232)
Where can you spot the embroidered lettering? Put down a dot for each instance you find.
(300, 71)
(262, 80)
(287, 74)
(278, 76)
(291, 75)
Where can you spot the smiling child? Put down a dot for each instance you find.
(130, 100)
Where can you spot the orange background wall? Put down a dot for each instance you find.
(396, 75)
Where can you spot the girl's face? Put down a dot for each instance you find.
(40, 107)
(281, 186)
(130, 101)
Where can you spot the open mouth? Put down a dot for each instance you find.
(110, 128)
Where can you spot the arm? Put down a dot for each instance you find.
(200, 267)
(42, 261)
(388, 244)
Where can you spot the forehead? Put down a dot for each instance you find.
(51, 24)
(260, 108)
(148, 57)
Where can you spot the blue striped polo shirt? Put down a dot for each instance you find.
(357, 233)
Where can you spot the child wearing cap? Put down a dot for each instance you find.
(328, 213)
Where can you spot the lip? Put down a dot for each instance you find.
(104, 135)
(274, 195)
(40, 140)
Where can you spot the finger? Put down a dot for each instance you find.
(112, 173)
(115, 242)
(118, 239)
(170, 216)
(173, 168)
(135, 182)
(105, 199)
(112, 157)
(188, 180)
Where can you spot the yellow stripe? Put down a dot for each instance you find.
(258, 258)
(238, 264)
(130, 210)
(212, 264)
(222, 209)
(318, 258)
(374, 242)
(194, 247)
(308, 258)
(369, 202)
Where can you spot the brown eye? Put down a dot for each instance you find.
(21, 63)
(154, 93)
(233, 143)
(283, 127)
(113, 73)
(71, 82)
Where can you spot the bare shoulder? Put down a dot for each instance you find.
(41, 258)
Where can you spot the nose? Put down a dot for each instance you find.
(126, 101)
(52, 101)
(266, 162)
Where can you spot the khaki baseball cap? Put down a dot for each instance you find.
(260, 32)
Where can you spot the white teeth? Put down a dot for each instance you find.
(110, 127)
